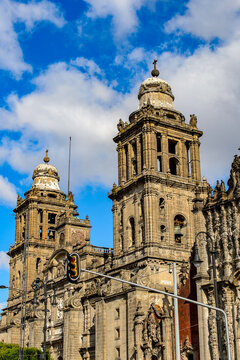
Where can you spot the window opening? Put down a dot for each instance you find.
(159, 163)
(51, 218)
(117, 313)
(117, 333)
(159, 145)
(173, 166)
(40, 232)
(163, 230)
(143, 234)
(52, 196)
(170, 116)
(121, 217)
(51, 234)
(40, 216)
(38, 261)
(172, 145)
(132, 228)
(134, 159)
(188, 157)
(179, 223)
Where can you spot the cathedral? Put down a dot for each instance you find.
(160, 205)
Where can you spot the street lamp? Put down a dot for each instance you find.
(197, 262)
(37, 285)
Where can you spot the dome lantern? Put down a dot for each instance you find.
(45, 176)
(155, 91)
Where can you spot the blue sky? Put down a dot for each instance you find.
(74, 67)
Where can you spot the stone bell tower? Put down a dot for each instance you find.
(44, 221)
(159, 191)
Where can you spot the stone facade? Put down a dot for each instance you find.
(159, 204)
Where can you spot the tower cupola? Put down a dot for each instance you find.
(155, 91)
(45, 176)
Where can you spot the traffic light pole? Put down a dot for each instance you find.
(173, 296)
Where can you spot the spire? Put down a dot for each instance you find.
(155, 71)
(46, 158)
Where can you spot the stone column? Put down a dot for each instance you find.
(153, 147)
(136, 220)
(115, 227)
(71, 340)
(184, 159)
(139, 157)
(124, 226)
(165, 160)
(228, 300)
(224, 237)
(45, 225)
(130, 157)
(124, 174)
(235, 226)
(120, 163)
(17, 229)
(138, 331)
(100, 331)
(149, 208)
(195, 158)
(145, 148)
(167, 338)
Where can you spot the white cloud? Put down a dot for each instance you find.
(4, 261)
(124, 13)
(66, 103)
(11, 12)
(206, 84)
(3, 305)
(8, 194)
(89, 65)
(208, 19)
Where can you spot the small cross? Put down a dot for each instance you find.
(155, 71)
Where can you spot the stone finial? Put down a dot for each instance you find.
(155, 71)
(46, 159)
(193, 120)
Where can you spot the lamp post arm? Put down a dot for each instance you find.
(173, 296)
(209, 237)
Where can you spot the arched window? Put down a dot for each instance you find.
(179, 224)
(132, 230)
(173, 166)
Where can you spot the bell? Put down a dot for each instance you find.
(178, 233)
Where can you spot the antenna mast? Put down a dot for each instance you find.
(69, 163)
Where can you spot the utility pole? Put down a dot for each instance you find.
(176, 318)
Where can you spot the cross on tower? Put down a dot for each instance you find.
(155, 71)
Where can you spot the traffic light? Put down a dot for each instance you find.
(73, 267)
